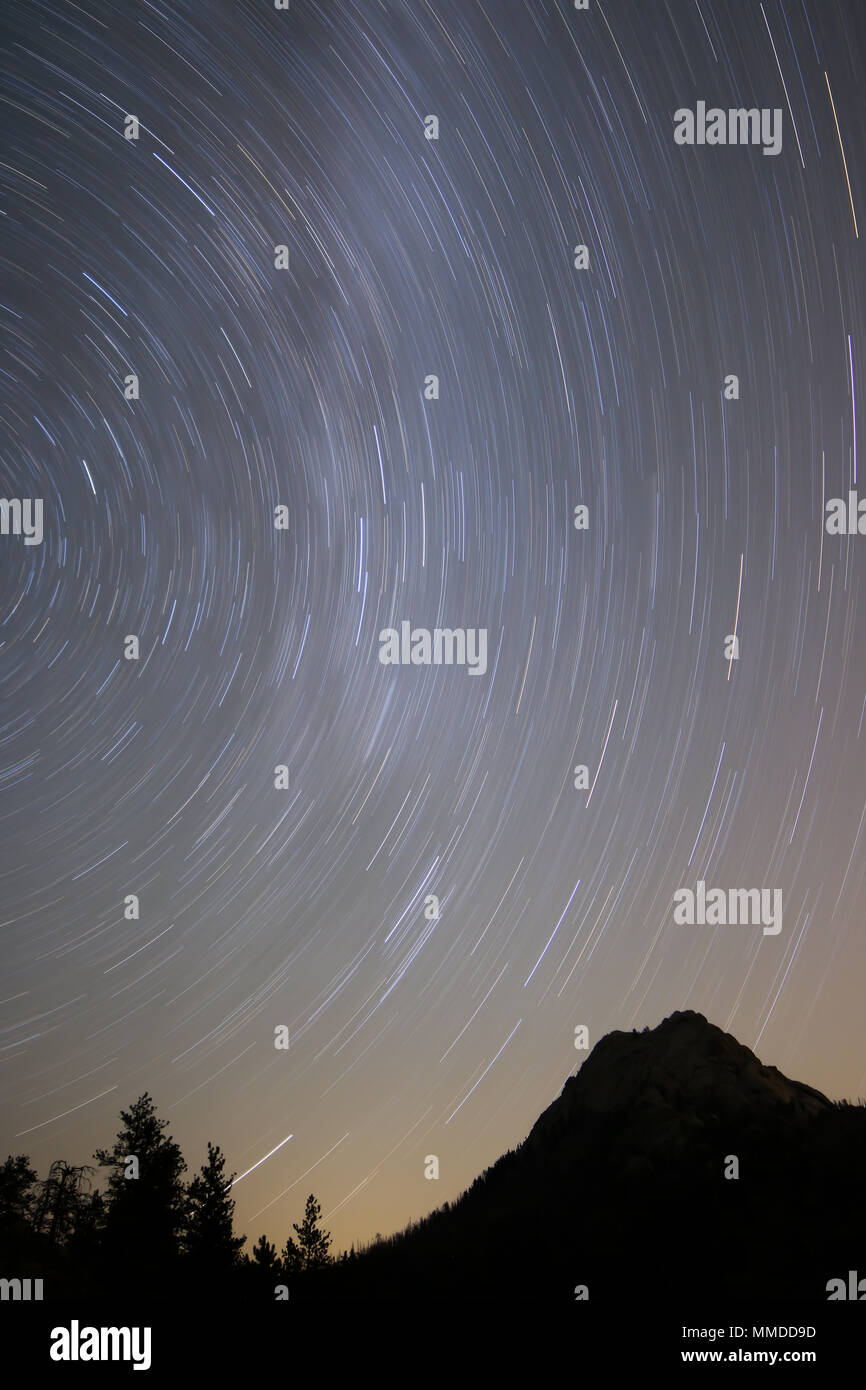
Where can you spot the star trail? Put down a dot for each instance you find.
(290, 364)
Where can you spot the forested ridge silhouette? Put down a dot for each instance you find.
(672, 1163)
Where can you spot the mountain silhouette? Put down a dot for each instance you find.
(668, 1083)
(625, 1188)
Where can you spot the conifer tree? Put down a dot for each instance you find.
(17, 1193)
(265, 1256)
(209, 1238)
(310, 1251)
(264, 1267)
(63, 1201)
(146, 1198)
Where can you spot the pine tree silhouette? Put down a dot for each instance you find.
(263, 1268)
(17, 1193)
(310, 1251)
(209, 1239)
(265, 1256)
(64, 1198)
(145, 1212)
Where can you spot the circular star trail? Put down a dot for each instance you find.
(228, 313)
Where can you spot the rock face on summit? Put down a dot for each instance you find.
(668, 1082)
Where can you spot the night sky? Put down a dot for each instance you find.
(413, 1034)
